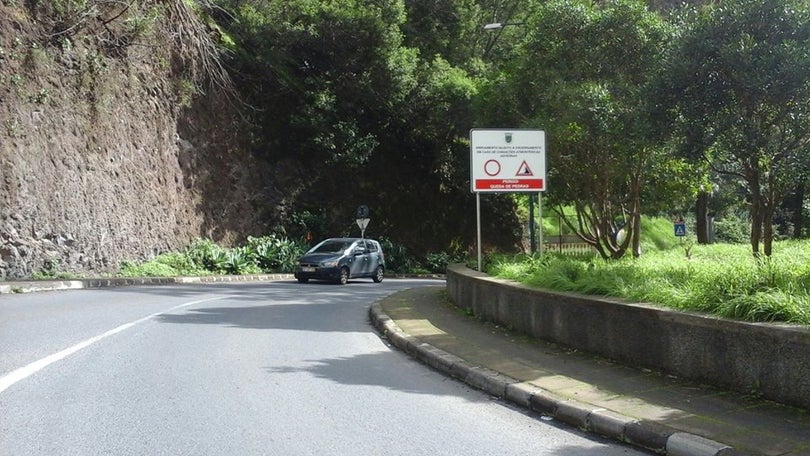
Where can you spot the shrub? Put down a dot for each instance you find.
(149, 269)
(396, 256)
(207, 255)
(274, 254)
(732, 229)
(437, 262)
(238, 260)
(179, 262)
(164, 265)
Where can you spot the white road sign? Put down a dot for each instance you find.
(507, 160)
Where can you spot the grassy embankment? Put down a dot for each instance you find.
(720, 279)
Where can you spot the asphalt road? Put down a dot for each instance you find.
(276, 368)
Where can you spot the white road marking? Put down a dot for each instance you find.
(26, 371)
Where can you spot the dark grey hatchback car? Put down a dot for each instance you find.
(341, 259)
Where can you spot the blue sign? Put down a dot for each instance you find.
(680, 229)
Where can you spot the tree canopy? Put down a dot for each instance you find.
(738, 86)
(579, 73)
(372, 103)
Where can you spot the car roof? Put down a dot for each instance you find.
(349, 239)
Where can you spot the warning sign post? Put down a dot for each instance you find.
(507, 160)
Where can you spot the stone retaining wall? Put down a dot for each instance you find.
(768, 359)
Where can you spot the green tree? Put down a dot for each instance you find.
(321, 80)
(579, 75)
(738, 83)
(353, 110)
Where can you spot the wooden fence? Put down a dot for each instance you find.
(567, 243)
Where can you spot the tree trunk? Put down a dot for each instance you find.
(635, 232)
(756, 225)
(798, 210)
(755, 185)
(702, 218)
(767, 232)
(768, 209)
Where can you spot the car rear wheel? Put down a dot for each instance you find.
(302, 280)
(378, 275)
(343, 276)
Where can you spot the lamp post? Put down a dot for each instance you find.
(497, 27)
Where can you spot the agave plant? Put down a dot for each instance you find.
(274, 254)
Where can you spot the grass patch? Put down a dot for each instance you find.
(721, 279)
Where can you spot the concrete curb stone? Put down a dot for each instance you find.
(485, 379)
(31, 286)
(607, 423)
(520, 393)
(682, 444)
(646, 435)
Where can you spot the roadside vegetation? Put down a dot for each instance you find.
(688, 108)
(719, 279)
(265, 254)
(697, 110)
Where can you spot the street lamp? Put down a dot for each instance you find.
(495, 27)
(498, 26)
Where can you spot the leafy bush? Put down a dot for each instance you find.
(732, 229)
(148, 269)
(165, 265)
(179, 262)
(207, 255)
(396, 256)
(437, 262)
(274, 254)
(204, 256)
(239, 260)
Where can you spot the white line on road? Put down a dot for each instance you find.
(24, 372)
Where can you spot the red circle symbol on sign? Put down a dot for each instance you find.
(492, 168)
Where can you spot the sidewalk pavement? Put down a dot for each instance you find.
(643, 408)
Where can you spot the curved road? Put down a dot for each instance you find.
(275, 368)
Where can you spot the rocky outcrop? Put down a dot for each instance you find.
(111, 155)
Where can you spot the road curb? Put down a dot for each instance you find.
(31, 286)
(647, 435)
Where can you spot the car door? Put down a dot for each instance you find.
(373, 255)
(359, 261)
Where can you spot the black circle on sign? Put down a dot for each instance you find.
(487, 167)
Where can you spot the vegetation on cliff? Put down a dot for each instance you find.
(129, 129)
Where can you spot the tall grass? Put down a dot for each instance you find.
(724, 280)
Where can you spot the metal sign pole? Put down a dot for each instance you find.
(532, 228)
(478, 225)
(540, 215)
(507, 161)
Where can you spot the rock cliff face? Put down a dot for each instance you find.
(115, 151)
